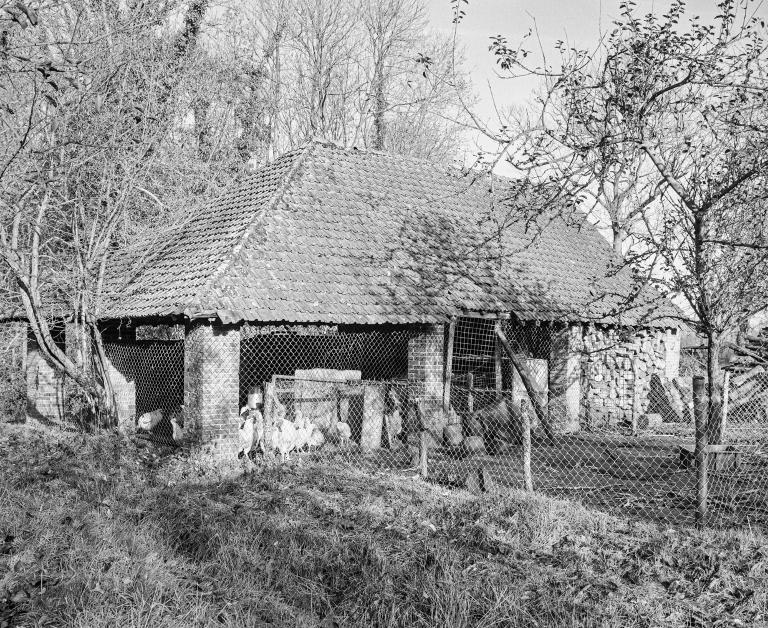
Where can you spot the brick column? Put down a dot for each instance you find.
(565, 378)
(45, 386)
(211, 385)
(425, 368)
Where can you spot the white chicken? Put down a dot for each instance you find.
(178, 430)
(149, 420)
(304, 428)
(258, 429)
(316, 438)
(285, 438)
(344, 432)
(246, 432)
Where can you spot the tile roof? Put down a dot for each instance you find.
(333, 235)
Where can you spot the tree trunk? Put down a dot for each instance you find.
(714, 390)
(379, 107)
(527, 378)
(619, 235)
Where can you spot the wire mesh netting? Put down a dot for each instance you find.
(602, 415)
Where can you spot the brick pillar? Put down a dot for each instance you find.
(565, 378)
(425, 368)
(45, 386)
(211, 385)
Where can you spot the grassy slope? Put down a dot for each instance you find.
(96, 538)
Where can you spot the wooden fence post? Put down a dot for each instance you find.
(526, 419)
(422, 425)
(700, 451)
(423, 470)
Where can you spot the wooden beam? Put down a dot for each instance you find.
(448, 366)
(497, 350)
(485, 315)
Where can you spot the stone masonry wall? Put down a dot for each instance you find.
(618, 367)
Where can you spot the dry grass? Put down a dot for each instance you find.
(94, 537)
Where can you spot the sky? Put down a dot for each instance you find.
(577, 21)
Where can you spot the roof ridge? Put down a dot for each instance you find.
(303, 153)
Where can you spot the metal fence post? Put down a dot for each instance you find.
(700, 452)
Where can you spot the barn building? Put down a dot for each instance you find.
(386, 268)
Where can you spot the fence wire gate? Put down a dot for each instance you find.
(611, 421)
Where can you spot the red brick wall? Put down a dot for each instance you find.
(211, 386)
(425, 367)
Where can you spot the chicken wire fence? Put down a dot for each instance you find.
(594, 414)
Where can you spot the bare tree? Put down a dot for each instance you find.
(89, 93)
(679, 111)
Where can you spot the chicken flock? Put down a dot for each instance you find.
(285, 436)
(277, 435)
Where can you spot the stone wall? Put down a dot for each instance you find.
(618, 370)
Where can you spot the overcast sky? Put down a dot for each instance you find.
(578, 21)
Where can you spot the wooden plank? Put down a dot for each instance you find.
(497, 351)
(470, 393)
(726, 398)
(485, 315)
(448, 369)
